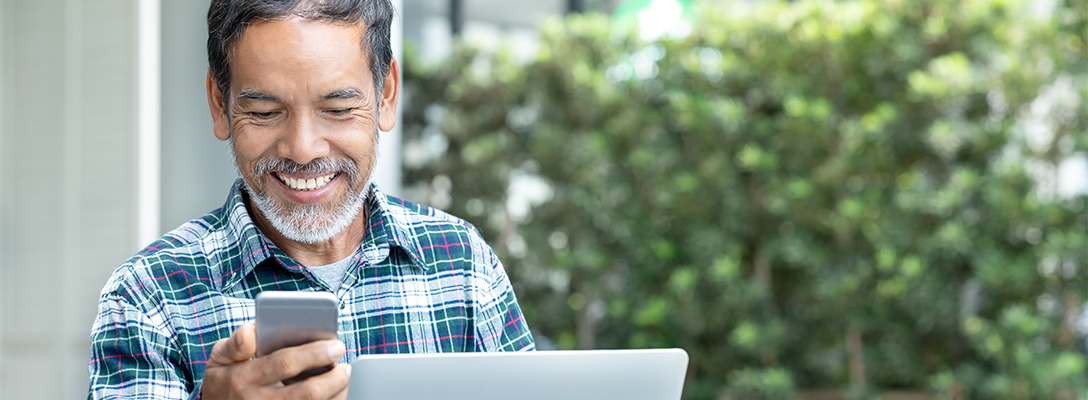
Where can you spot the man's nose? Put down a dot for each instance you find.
(303, 140)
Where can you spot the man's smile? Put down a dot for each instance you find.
(303, 188)
(306, 184)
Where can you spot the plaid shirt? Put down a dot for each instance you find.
(423, 281)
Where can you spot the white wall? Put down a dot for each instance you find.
(68, 163)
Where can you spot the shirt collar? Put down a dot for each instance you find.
(384, 231)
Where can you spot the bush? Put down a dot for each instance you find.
(849, 195)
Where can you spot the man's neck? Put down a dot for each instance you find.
(321, 253)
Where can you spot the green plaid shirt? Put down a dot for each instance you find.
(423, 281)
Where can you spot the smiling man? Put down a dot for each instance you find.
(300, 90)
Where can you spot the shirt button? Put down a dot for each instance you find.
(343, 306)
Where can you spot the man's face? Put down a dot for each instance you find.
(303, 123)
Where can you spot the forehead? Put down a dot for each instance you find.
(293, 28)
(294, 47)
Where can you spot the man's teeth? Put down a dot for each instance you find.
(306, 184)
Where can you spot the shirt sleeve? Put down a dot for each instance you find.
(500, 325)
(132, 356)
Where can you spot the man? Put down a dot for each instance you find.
(299, 89)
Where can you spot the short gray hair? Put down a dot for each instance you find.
(228, 19)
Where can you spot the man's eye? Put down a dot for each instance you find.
(262, 115)
(339, 111)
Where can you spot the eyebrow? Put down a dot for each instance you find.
(343, 94)
(251, 94)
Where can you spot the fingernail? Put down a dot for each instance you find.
(336, 349)
(347, 368)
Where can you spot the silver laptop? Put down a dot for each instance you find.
(656, 374)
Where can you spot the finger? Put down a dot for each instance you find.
(343, 395)
(330, 385)
(241, 346)
(290, 361)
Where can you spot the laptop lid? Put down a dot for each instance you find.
(654, 374)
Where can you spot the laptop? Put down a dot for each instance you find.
(655, 374)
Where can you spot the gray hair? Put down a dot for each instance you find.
(228, 19)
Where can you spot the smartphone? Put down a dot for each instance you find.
(288, 319)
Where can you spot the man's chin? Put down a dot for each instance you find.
(308, 223)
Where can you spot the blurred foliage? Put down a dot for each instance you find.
(826, 195)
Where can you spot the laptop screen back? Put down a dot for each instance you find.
(656, 374)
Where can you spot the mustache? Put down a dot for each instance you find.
(324, 165)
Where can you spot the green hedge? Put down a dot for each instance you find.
(808, 195)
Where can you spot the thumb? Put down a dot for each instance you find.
(239, 347)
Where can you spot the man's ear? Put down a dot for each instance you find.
(220, 124)
(390, 94)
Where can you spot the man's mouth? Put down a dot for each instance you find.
(306, 184)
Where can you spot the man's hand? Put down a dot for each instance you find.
(232, 372)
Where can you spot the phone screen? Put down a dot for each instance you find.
(288, 319)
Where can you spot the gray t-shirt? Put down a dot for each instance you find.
(333, 274)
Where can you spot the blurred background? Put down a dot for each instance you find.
(816, 199)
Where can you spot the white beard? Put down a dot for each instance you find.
(308, 224)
